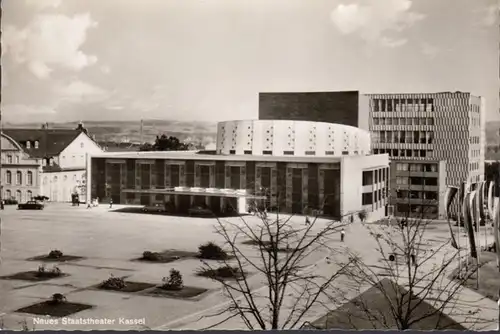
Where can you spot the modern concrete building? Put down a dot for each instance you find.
(293, 165)
(344, 107)
(20, 173)
(428, 136)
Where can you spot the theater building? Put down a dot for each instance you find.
(289, 166)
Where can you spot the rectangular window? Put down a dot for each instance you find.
(232, 151)
(422, 121)
(430, 121)
(367, 199)
(367, 178)
(416, 167)
(382, 105)
(422, 153)
(431, 181)
(409, 153)
(400, 180)
(402, 193)
(247, 152)
(376, 106)
(329, 153)
(310, 153)
(403, 208)
(423, 137)
(418, 181)
(397, 105)
(388, 137)
(402, 137)
(376, 121)
(389, 105)
(287, 152)
(388, 121)
(431, 195)
(345, 152)
(267, 152)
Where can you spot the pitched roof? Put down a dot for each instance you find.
(51, 142)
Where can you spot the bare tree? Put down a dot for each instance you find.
(281, 259)
(414, 285)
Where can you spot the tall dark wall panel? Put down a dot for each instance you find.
(331, 107)
(250, 170)
(281, 191)
(189, 173)
(219, 175)
(313, 187)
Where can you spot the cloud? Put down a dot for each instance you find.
(79, 91)
(372, 22)
(429, 50)
(105, 69)
(490, 15)
(48, 42)
(42, 4)
(18, 113)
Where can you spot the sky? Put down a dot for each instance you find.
(207, 60)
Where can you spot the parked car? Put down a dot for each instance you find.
(200, 211)
(11, 201)
(154, 208)
(30, 205)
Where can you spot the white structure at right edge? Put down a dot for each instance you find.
(290, 138)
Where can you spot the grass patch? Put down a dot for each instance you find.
(222, 273)
(127, 287)
(187, 292)
(353, 316)
(54, 309)
(33, 276)
(165, 256)
(489, 277)
(63, 258)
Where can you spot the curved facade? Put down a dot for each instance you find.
(285, 138)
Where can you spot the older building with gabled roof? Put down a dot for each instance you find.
(61, 154)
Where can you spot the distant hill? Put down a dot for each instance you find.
(129, 131)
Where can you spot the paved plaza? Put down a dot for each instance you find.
(109, 240)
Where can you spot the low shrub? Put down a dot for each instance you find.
(174, 281)
(43, 272)
(55, 254)
(58, 298)
(224, 272)
(211, 251)
(113, 283)
(151, 256)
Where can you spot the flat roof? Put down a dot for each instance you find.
(213, 192)
(196, 155)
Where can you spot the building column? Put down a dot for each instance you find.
(227, 176)
(212, 175)
(152, 177)
(305, 187)
(107, 177)
(321, 188)
(258, 177)
(196, 175)
(273, 192)
(288, 189)
(167, 176)
(123, 182)
(138, 182)
(243, 177)
(182, 175)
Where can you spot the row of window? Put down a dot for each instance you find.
(374, 197)
(35, 144)
(474, 166)
(404, 167)
(403, 121)
(416, 181)
(269, 152)
(371, 177)
(403, 105)
(417, 194)
(18, 195)
(404, 153)
(474, 140)
(403, 137)
(19, 178)
(65, 178)
(10, 159)
(416, 208)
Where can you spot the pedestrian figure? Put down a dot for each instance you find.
(97, 201)
(88, 205)
(110, 203)
(308, 222)
(342, 235)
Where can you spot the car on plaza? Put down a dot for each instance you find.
(30, 205)
(157, 208)
(200, 211)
